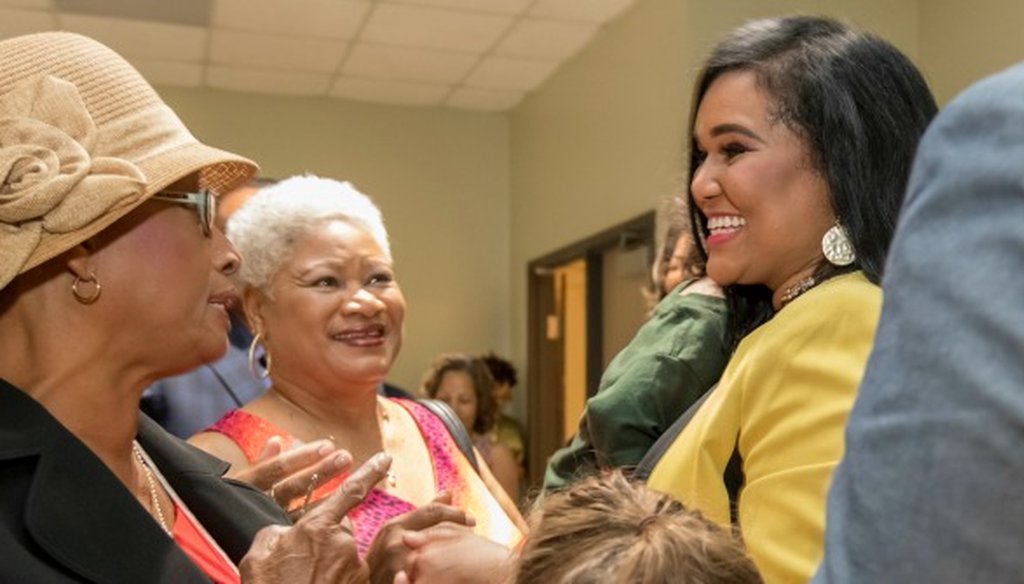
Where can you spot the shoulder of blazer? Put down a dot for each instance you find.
(76, 520)
(231, 511)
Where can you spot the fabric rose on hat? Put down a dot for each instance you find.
(49, 181)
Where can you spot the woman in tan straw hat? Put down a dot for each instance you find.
(111, 276)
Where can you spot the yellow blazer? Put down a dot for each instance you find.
(782, 401)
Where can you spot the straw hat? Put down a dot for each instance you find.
(83, 141)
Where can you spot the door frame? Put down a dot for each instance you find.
(545, 394)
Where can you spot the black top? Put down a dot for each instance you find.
(64, 517)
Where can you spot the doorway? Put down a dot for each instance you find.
(585, 304)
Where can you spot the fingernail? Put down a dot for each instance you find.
(380, 461)
(325, 448)
(470, 520)
(341, 460)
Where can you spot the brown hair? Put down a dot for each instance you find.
(694, 266)
(502, 370)
(483, 386)
(607, 529)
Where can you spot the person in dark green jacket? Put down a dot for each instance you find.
(675, 357)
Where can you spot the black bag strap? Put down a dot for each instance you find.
(455, 428)
(643, 469)
(732, 476)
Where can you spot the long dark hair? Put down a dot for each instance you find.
(860, 107)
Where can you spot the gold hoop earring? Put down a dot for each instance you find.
(83, 298)
(258, 373)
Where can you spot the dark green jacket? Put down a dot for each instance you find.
(675, 357)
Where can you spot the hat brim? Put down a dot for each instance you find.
(219, 171)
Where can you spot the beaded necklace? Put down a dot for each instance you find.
(154, 498)
(796, 290)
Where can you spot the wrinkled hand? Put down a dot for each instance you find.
(452, 554)
(387, 554)
(287, 475)
(320, 547)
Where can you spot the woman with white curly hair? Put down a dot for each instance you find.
(322, 299)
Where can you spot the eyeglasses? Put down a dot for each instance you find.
(204, 202)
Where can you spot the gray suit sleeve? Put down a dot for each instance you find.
(931, 488)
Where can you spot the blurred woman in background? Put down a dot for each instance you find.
(465, 384)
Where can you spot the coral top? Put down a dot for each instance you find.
(195, 545)
(452, 473)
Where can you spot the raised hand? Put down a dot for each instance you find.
(320, 547)
(287, 475)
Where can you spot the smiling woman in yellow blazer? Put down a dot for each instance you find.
(803, 135)
(781, 407)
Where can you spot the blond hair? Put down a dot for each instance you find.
(607, 529)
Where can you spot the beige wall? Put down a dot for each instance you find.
(598, 143)
(439, 176)
(963, 41)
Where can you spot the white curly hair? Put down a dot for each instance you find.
(267, 226)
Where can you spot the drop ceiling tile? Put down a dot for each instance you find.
(35, 4)
(275, 52)
(545, 39)
(432, 28)
(401, 64)
(483, 99)
(139, 39)
(18, 22)
(496, 6)
(510, 74)
(330, 19)
(170, 73)
(375, 90)
(186, 12)
(593, 11)
(266, 81)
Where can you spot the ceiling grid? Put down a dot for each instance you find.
(466, 54)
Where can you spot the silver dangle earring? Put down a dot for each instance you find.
(254, 368)
(837, 247)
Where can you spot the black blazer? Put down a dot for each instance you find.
(65, 518)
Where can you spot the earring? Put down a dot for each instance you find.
(259, 373)
(837, 247)
(86, 298)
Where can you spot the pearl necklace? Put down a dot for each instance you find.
(384, 425)
(154, 498)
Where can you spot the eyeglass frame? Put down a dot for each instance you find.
(203, 200)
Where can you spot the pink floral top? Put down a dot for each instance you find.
(452, 473)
